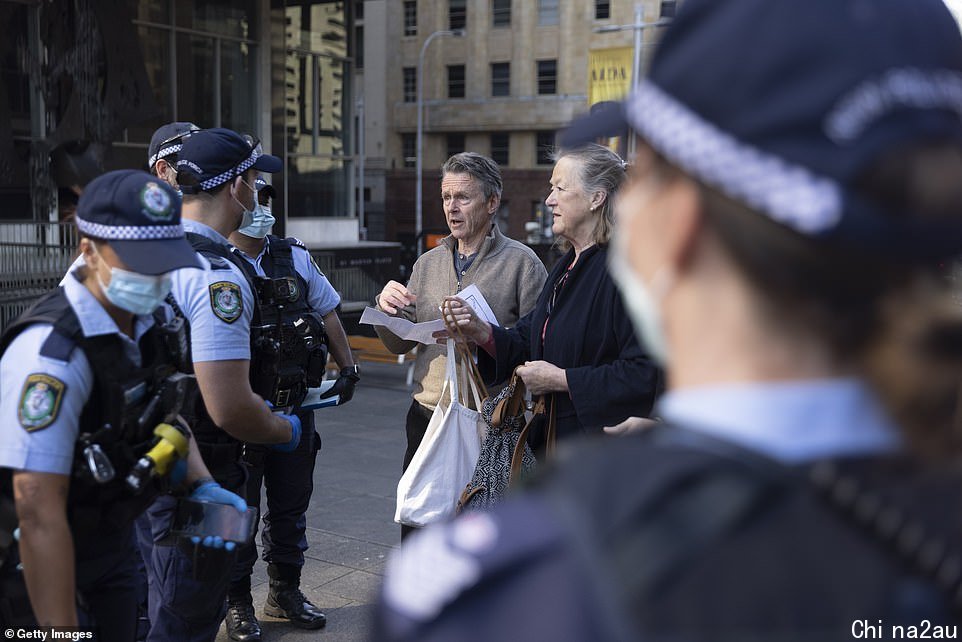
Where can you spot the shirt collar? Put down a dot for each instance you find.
(793, 422)
(197, 227)
(94, 319)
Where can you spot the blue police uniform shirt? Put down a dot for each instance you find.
(321, 295)
(792, 422)
(217, 303)
(41, 399)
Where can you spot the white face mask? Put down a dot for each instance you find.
(261, 224)
(136, 293)
(641, 304)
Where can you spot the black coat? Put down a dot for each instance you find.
(590, 335)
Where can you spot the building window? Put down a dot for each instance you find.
(547, 77)
(545, 148)
(457, 14)
(455, 144)
(501, 13)
(409, 149)
(410, 85)
(359, 10)
(455, 81)
(603, 9)
(501, 79)
(359, 47)
(410, 18)
(547, 12)
(668, 8)
(499, 148)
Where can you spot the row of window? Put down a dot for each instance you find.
(548, 13)
(500, 80)
(544, 147)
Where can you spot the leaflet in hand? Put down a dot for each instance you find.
(313, 399)
(404, 329)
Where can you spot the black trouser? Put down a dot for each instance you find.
(289, 479)
(415, 426)
(106, 587)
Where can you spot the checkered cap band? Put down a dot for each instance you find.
(789, 194)
(163, 152)
(211, 183)
(130, 232)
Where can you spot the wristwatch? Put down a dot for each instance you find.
(351, 372)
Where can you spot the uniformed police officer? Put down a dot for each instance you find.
(216, 172)
(85, 378)
(164, 147)
(288, 477)
(797, 179)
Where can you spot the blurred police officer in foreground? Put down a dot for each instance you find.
(797, 178)
(165, 145)
(87, 384)
(216, 172)
(309, 300)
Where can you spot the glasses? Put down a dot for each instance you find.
(558, 286)
(179, 138)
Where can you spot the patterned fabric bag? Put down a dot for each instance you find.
(505, 454)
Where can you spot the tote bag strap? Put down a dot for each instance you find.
(451, 374)
(518, 454)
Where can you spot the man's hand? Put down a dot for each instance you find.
(395, 296)
(343, 388)
(291, 445)
(630, 426)
(541, 377)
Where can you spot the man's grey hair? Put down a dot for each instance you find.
(477, 166)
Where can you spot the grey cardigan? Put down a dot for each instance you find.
(508, 273)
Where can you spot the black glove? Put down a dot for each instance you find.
(343, 388)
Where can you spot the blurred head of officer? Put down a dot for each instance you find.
(164, 146)
(131, 239)
(216, 171)
(786, 211)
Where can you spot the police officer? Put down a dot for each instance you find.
(289, 477)
(86, 378)
(164, 146)
(778, 242)
(216, 172)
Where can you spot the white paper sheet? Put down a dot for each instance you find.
(473, 297)
(420, 332)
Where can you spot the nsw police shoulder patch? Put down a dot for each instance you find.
(40, 401)
(226, 301)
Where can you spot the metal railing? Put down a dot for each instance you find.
(33, 259)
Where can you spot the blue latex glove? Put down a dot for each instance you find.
(295, 434)
(215, 493)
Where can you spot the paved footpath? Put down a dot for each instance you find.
(350, 525)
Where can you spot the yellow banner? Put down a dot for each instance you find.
(609, 74)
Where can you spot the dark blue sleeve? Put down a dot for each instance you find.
(604, 395)
(512, 348)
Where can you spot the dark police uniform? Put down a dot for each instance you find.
(693, 534)
(80, 398)
(216, 304)
(288, 477)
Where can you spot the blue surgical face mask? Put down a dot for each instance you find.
(133, 292)
(248, 217)
(262, 223)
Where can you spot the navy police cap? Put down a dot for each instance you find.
(211, 157)
(168, 140)
(781, 104)
(139, 216)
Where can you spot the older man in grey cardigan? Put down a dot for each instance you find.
(508, 273)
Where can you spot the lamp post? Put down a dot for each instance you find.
(456, 33)
(638, 26)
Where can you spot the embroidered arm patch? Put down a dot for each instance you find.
(226, 301)
(40, 401)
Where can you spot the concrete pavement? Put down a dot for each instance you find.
(350, 524)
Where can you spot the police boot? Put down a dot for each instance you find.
(286, 601)
(242, 624)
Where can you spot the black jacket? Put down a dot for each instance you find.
(589, 334)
